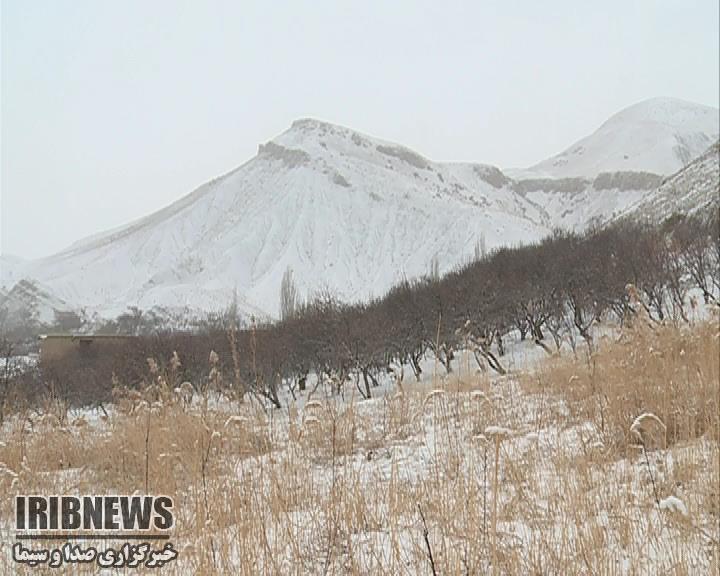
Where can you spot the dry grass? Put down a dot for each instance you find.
(670, 372)
(343, 488)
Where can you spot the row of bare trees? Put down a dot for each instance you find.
(553, 292)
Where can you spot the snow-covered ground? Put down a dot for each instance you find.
(339, 484)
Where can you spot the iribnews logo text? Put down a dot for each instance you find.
(94, 513)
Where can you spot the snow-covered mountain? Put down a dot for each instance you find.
(660, 135)
(29, 302)
(354, 214)
(343, 210)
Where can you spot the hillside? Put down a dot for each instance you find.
(695, 187)
(660, 135)
(354, 214)
(343, 210)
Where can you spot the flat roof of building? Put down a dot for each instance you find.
(83, 336)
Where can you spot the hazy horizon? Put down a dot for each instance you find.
(111, 111)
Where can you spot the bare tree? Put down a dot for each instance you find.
(434, 268)
(7, 370)
(480, 252)
(288, 295)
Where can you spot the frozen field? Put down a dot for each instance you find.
(535, 472)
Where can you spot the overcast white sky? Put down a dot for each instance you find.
(112, 109)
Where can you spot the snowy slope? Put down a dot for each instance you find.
(576, 203)
(695, 187)
(11, 270)
(28, 302)
(660, 135)
(343, 210)
(354, 214)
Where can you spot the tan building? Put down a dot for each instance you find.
(58, 346)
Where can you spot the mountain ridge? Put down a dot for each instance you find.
(344, 210)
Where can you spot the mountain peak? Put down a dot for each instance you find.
(313, 135)
(309, 123)
(317, 139)
(672, 112)
(658, 135)
(313, 129)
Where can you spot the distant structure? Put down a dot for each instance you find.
(59, 346)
